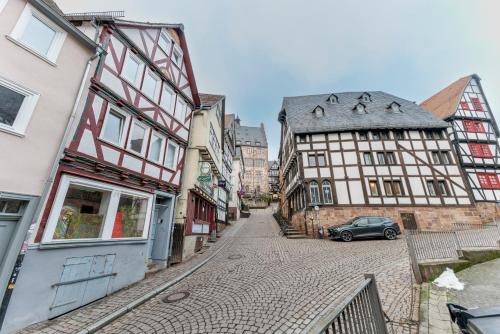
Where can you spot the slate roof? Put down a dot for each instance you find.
(444, 103)
(251, 134)
(341, 116)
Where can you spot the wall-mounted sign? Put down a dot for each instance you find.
(205, 168)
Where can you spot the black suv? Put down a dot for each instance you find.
(365, 227)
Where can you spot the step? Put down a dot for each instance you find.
(296, 236)
(294, 233)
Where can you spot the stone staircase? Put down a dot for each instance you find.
(289, 231)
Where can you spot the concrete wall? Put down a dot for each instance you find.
(41, 268)
(57, 86)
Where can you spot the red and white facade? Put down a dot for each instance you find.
(109, 214)
(474, 134)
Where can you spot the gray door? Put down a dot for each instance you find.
(161, 226)
(7, 228)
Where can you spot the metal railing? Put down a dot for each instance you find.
(359, 313)
(433, 245)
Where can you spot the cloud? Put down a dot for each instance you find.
(255, 52)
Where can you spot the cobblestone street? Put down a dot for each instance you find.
(264, 283)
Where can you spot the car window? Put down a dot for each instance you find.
(362, 222)
(374, 221)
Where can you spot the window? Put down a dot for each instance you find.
(434, 134)
(165, 42)
(177, 56)
(393, 188)
(137, 138)
(443, 188)
(151, 85)
(476, 104)
(435, 157)
(363, 136)
(130, 218)
(257, 143)
(248, 142)
(480, 150)
(180, 109)
(391, 159)
(11, 206)
(384, 135)
(156, 147)
(85, 209)
(400, 135)
(312, 160)
(167, 96)
(488, 180)
(381, 158)
(327, 192)
(313, 187)
(445, 158)
(38, 34)
(114, 126)
(302, 138)
(473, 126)
(131, 70)
(431, 188)
(321, 160)
(248, 162)
(376, 135)
(16, 106)
(367, 156)
(464, 105)
(171, 158)
(374, 188)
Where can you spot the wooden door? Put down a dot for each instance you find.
(409, 221)
(177, 244)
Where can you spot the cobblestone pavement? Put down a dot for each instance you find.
(78, 320)
(264, 283)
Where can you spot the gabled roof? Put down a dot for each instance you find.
(252, 134)
(341, 117)
(444, 103)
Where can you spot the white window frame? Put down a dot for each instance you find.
(109, 217)
(164, 33)
(145, 138)
(180, 101)
(136, 82)
(167, 90)
(181, 55)
(57, 43)
(2, 4)
(176, 155)
(25, 111)
(162, 148)
(154, 76)
(127, 116)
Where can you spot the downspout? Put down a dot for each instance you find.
(67, 131)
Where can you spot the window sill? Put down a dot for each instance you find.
(11, 131)
(30, 50)
(89, 243)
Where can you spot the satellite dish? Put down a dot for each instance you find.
(316, 208)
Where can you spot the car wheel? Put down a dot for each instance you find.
(346, 236)
(390, 234)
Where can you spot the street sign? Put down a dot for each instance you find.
(205, 178)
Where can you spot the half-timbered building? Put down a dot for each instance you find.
(474, 134)
(110, 209)
(368, 153)
(199, 205)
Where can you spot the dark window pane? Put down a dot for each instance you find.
(10, 103)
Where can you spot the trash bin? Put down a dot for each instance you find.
(484, 320)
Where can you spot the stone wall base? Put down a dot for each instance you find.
(489, 211)
(427, 218)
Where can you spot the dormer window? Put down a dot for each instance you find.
(360, 108)
(394, 107)
(332, 99)
(365, 97)
(319, 112)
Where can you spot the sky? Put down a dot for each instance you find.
(255, 52)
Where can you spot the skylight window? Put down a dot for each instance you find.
(332, 99)
(360, 108)
(319, 112)
(365, 97)
(394, 107)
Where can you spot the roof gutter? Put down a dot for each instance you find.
(63, 23)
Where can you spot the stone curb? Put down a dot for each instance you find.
(132, 305)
